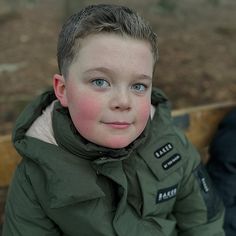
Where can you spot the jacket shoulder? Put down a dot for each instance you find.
(167, 149)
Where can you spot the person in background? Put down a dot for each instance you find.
(222, 168)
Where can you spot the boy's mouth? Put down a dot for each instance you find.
(118, 124)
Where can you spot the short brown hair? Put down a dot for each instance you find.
(100, 18)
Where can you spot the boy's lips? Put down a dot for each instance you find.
(118, 124)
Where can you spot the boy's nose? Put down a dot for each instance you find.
(121, 100)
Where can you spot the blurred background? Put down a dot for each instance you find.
(197, 64)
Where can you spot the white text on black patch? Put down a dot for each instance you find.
(163, 150)
(166, 194)
(204, 185)
(171, 161)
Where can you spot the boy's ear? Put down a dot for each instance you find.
(59, 86)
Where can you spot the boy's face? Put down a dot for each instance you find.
(108, 89)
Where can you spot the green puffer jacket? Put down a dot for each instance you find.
(155, 187)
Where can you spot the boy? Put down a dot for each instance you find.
(100, 153)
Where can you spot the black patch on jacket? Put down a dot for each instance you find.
(209, 193)
(171, 161)
(166, 194)
(163, 150)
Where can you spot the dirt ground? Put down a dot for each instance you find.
(196, 45)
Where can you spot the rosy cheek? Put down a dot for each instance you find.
(85, 111)
(88, 108)
(144, 111)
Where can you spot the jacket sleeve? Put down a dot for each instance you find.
(23, 214)
(198, 209)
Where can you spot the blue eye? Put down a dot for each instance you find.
(139, 87)
(101, 83)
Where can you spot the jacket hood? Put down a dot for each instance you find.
(42, 127)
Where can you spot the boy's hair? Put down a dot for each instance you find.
(100, 18)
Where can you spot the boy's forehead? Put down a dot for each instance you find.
(107, 47)
(97, 44)
(80, 43)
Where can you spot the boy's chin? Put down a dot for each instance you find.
(116, 144)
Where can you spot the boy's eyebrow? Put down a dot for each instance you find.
(107, 70)
(100, 69)
(143, 76)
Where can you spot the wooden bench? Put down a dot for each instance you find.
(199, 124)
